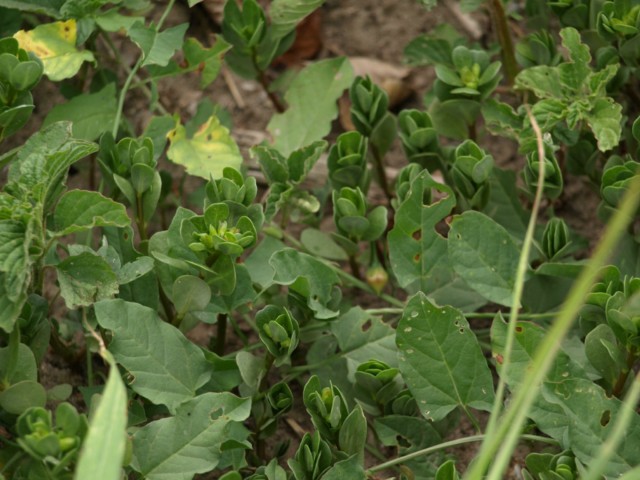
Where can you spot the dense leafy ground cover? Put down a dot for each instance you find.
(448, 298)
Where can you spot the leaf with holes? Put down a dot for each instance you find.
(441, 360)
(418, 252)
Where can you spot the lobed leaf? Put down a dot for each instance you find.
(157, 47)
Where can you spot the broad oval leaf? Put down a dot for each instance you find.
(178, 447)
(85, 279)
(80, 210)
(484, 254)
(441, 360)
(309, 115)
(208, 153)
(55, 44)
(90, 113)
(165, 366)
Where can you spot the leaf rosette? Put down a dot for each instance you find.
(472, 75)
(471, 170)
(279, 332)
(419, 137)
(55, 445)
(354, 223)
(347, 162)
(312, 458)
(552, 180)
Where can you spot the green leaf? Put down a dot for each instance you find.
(208, 153)
(484, 255)
(441, 360)
(21, 396)
(504, 205)
(55, 44)
(321, 244)
(80, 210)
(85, 279)
(91, 114)
(27, 371)
(43, 162)
(112, 21)
(605, 120)
(308, 276)
(132, 271)
(286, 14)
(350, 468)
(169, 375)
(50, 8)
(309, 115)
(178, 447)
(418, 253)
(207, 60)
(15, 269)
(103, 448)
(590, 415)
(356, 337)
(157, 47)
(190, 293)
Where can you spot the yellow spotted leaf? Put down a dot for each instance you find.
(55, 44)
(206, 154)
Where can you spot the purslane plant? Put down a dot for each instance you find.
(390, 363)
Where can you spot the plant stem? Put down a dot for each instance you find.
(500, 445)
(622, 380)
(132, 73)
(142, 225)
(381, 174)
(355, 268)
(445, 445)
(167, 307)
(123, 94)
(275, 100)
(221, 337)
(501, 26)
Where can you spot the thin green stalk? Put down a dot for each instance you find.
(132, 74)
(123, 94)
(523, 263)
(608, 448)
(89, 356)
(449, 444)
(500, 445)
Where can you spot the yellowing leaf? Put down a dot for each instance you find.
(206, 154)
(55, 44)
